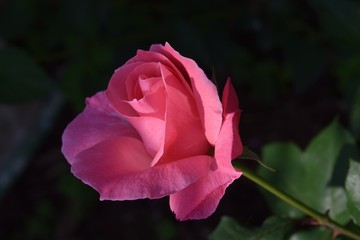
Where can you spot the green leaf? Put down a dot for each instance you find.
(273, 229)
(353, 191)
(335, 202)
(319, 160)
(319, 233)
(248, 154)
(229, 229)
(21, 78)
(285, 159)
(305, 175)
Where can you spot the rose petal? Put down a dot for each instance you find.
(184, 135)
(117, 91)
(200, 199)
(119, 169)
(152, 132)
(95, 124)
(204, 91)
(230, 100)
(153, 103)
(137, 75)
(228, 145)
(154, 56)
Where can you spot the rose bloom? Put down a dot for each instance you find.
(159, 129)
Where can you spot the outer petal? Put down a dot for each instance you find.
(201, 198)
(205, 93)
(95, 124)
(228, 145)
(119, 169)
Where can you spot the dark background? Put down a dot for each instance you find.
(294, 64)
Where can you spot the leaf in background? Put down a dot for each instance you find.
(353, 190)
(321, 233)
(306, 175)
(319, 160)
(285, 159)
(335, 201)
(248, 154)
(21, 78)
(229, 229)
(273, 229)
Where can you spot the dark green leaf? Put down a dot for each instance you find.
(248, 154)
(229, 229)
(335, 202)
(306, 175)
(273, 229)
(285, 158)
(319, 160)
(319, 233)
(353, 191)
(21, 78)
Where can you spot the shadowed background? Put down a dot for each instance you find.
(294, 64)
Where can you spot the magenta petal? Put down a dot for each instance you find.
(228, 145)
(184, 136)
(117, 90)
(152, 132)
(152, 104)
(205, 92)
(200, 199)
(119, 169)
(230, 100)
(95, 124)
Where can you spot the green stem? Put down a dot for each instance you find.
(320, 218)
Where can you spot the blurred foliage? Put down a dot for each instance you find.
(285, 58)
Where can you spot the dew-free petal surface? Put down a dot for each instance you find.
(228, 145)
(200, 199)
(204, 91)
(119, 169)
(96, 123)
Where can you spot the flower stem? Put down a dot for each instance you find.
(320, 218)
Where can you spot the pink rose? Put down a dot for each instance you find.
(159, 129)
